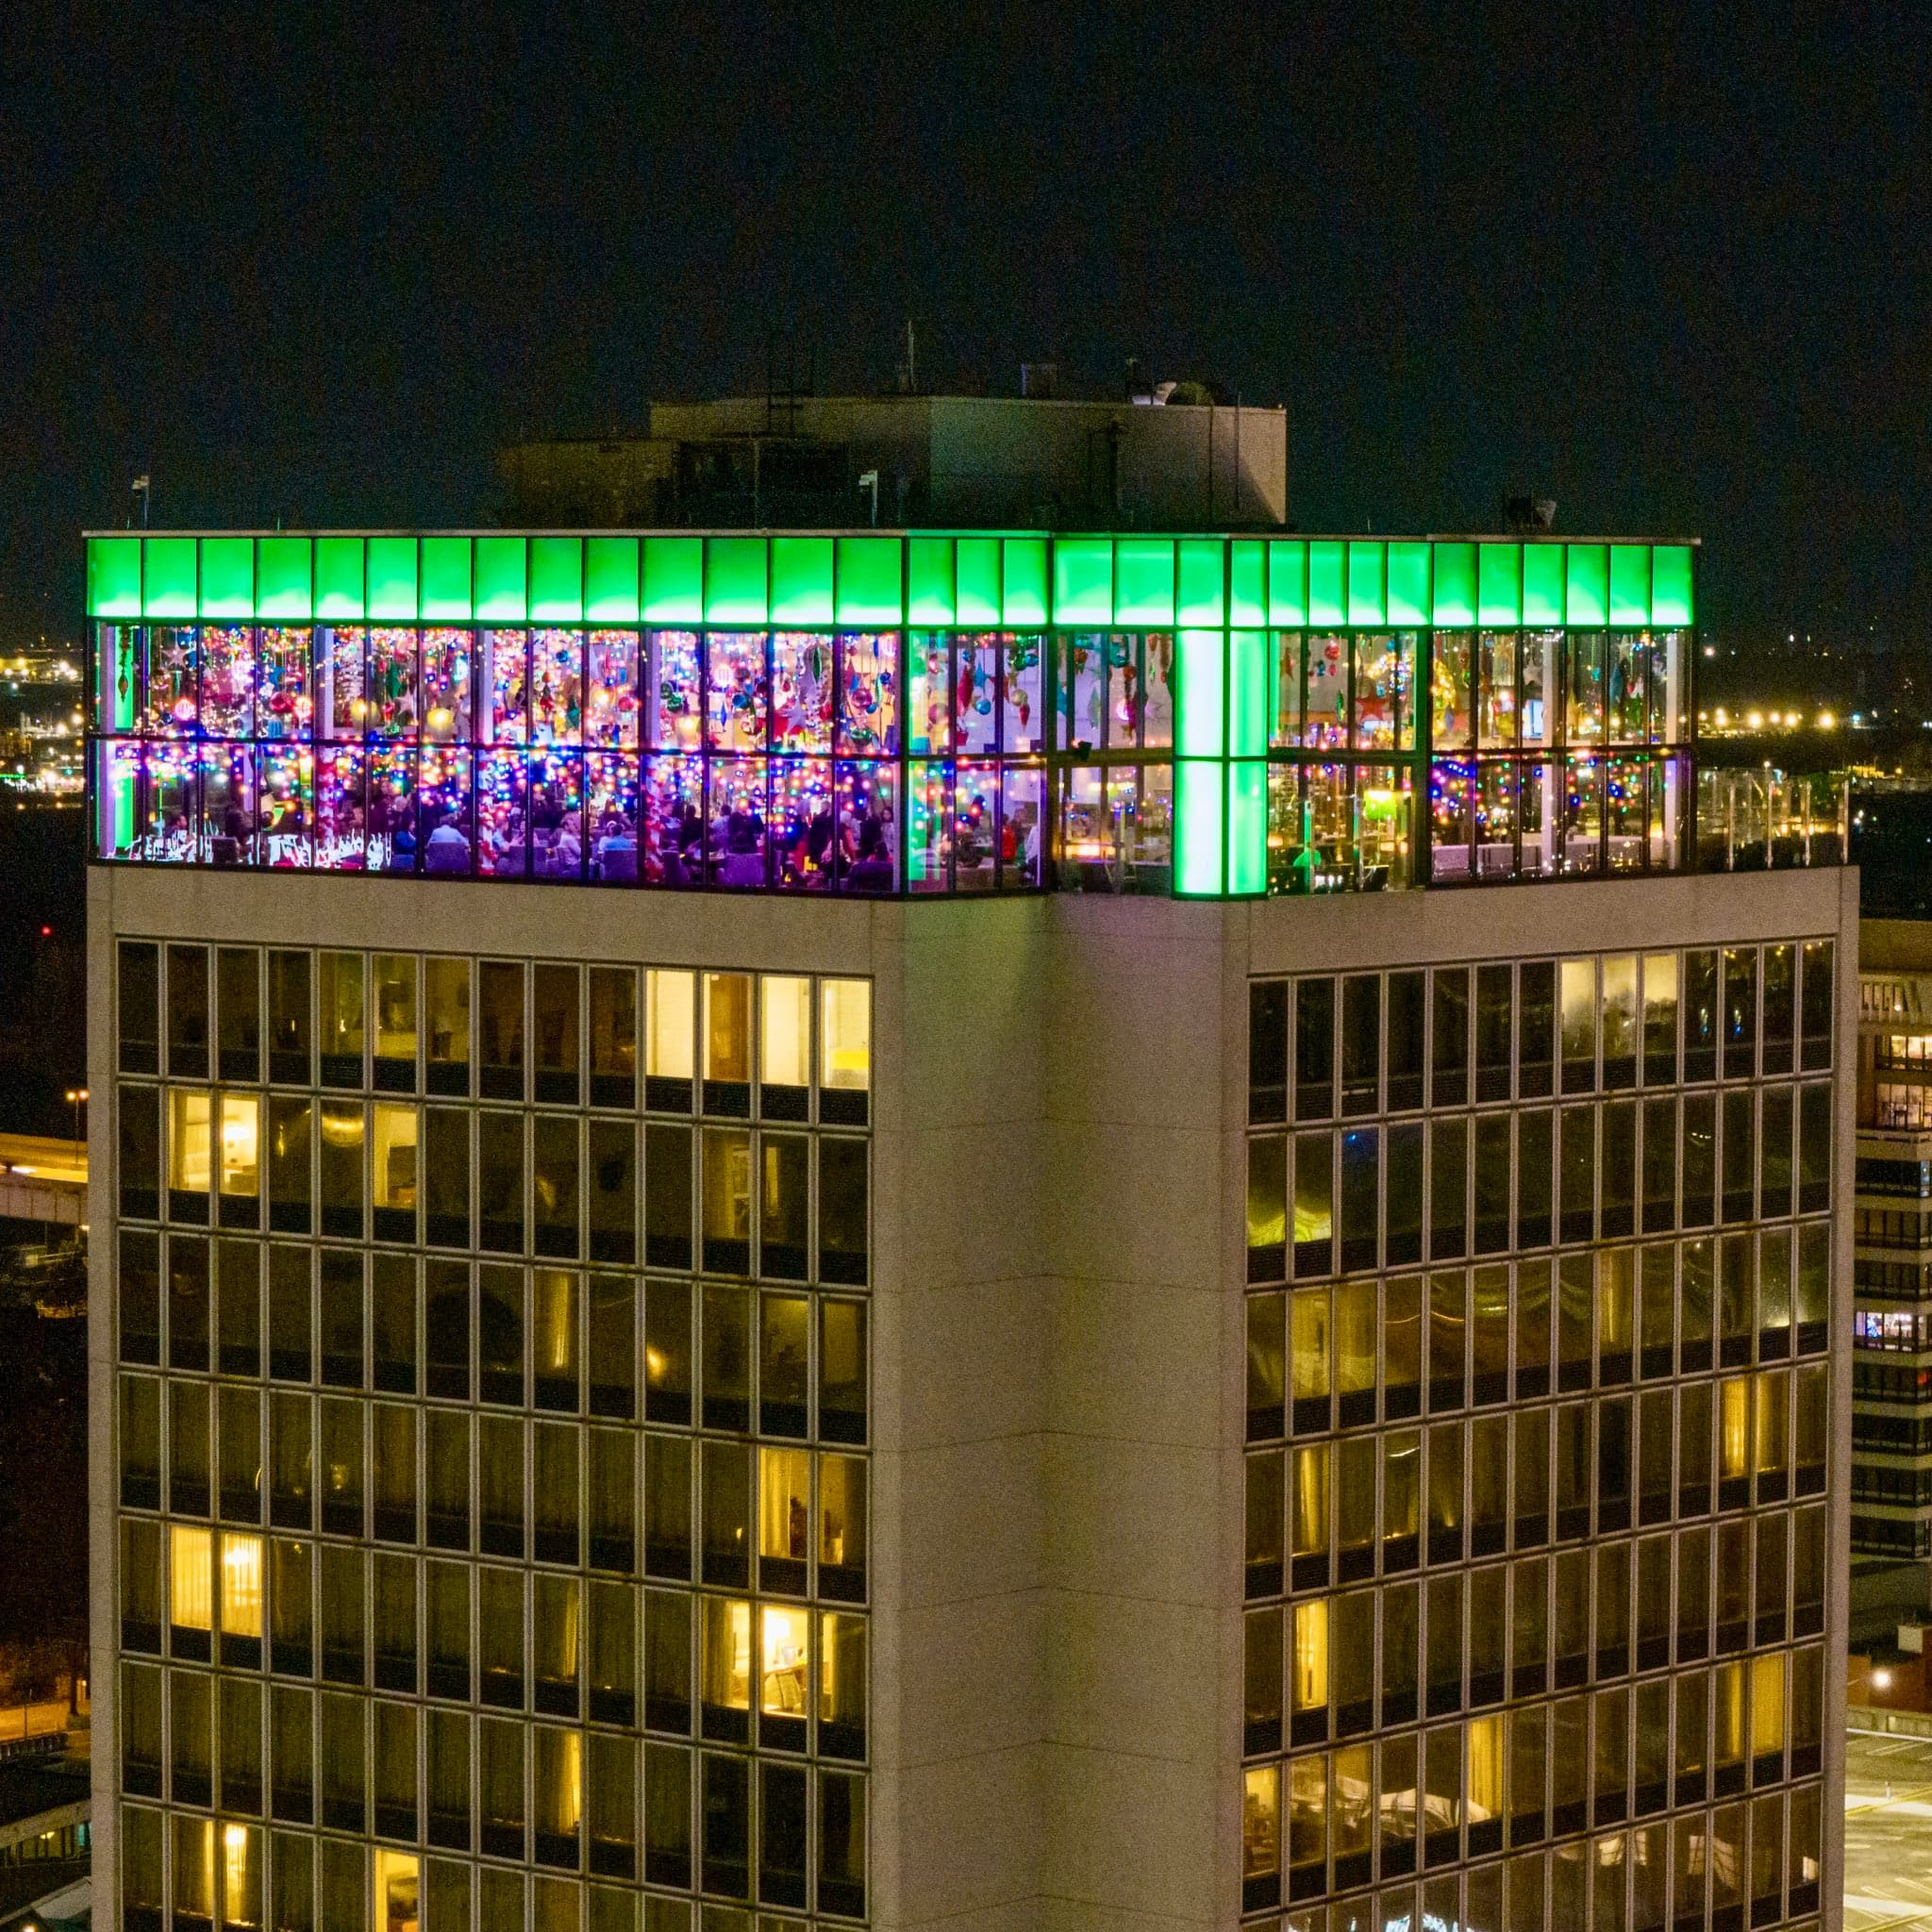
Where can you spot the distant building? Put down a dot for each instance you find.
(967, 462)
(1891, 1360)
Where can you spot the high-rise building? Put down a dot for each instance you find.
(1891, 1383)
(1082, 1231)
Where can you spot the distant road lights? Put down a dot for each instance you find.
(1754, 719)
(76, 1099)
(1826, 722)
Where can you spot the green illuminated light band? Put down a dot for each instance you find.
(925, 580)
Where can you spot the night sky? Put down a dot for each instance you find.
(316, 264)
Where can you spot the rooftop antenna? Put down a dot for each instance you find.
(142, 487)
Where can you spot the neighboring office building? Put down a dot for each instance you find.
(1142, 1400)
(1891, 1372)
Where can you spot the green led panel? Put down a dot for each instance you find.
(735, 587)
(1247, 582)
(1671, 595)
(1586, 583)
(393, 577)
(1247, 693)
(872, 589)
(167, 586)
(1199, 815)
(1143, 572)
(1328, 582)
(445, 579)
(1408, 583)
(1201, 595)
(1542, 583)
(1083, 580)
(1247, 827)
(1630, 583)
(800, 580)
(673, 579)
(1453, 603)
(503, 579)
(556, 579)
(284, 592)
(228, 576)
(930, 596)
(113, 576)
(1288, 584)
(1368, 583)
(1200, 694)
(1499, 584)
(979, 583)
(342, 587)
(610, 580)
(1022, 582)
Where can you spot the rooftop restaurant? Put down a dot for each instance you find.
(916, 712)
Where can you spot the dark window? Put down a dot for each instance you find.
(138, 1007)
(1404, 1018)
(188, 1013)
(1267, 1051)
(1362, 1042)
(1314, 1049)
(1449, 1036)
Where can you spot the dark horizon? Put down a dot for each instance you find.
(319, 271)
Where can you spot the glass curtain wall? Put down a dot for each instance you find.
(1194, 716)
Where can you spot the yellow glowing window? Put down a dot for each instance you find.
(1310, 1353)
(554, 1320)
(240, 1584)
(448, 983)
(1767, 1704)
(191, 1584)
(560, 1776)
(784, 1647)
(1734, 1427)
(195, 1868)
(241, 1144)
(395, 1006)
(1578, 994)
(1311, 1500)
(398, 1900)
(844, 1034)
(671, 1023)
(842, 1668)
(784, 1503)
(1261, 1822)
(190, 1160)
(726, 1659)
(784, 1031)
(1728, 1733)
(841, 1510)
(341, 1004)
(1619, 1006)
(240, 1874)
(727, 1026)
(1485, 1767)
(395, 1155)
(1309, 1665)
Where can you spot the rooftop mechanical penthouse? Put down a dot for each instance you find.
(1255, 1374)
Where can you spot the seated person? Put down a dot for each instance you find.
(447, 851)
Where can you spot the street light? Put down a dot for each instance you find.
(76, 1099)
